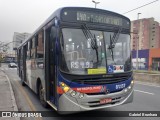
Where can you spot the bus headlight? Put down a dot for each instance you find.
(132, 82)
(81, 95)
(125, 90)
(65, 88)
(129, 87)
(73, 93)
(70, 91)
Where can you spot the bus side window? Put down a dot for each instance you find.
(36, 44)
(28, 51)
(33, 49)
(40, 45)
(25, 53)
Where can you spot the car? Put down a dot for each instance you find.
(12, 65)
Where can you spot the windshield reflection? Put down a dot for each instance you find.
(79, 57)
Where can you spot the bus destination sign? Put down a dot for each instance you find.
(98, 18)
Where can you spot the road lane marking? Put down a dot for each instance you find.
(147, 84)
(144, 92)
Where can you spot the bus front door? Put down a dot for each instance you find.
(50, 65)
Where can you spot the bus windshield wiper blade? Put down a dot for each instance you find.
(111, 48)
(113, 41)
(88, 36)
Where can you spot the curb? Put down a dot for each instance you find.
(12, 96)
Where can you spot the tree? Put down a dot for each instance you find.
(3, 49)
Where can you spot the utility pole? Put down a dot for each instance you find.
(137, 44)
(95, 3)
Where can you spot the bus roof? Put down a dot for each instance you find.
(57, 14)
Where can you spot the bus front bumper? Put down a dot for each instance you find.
(70, 104)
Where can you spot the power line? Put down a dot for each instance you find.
(140, 7)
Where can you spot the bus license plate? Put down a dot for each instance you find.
(106, 100)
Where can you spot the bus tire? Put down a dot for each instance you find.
(22, 80)
(23, 83)
(41, 96)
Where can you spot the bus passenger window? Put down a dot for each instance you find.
(28, 51)
(40, 45)
(33, 50)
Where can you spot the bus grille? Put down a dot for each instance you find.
(101, 81)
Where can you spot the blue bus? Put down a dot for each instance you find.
(79, 59)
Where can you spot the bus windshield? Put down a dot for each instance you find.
(90, 54)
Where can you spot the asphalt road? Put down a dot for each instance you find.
(146, 98)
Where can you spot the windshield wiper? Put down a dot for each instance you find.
(113, 41)
(88, 36)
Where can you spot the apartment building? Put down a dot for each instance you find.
(148, 34)
(18, 38)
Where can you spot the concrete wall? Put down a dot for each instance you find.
(149, 78)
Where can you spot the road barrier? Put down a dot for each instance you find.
(146, 77)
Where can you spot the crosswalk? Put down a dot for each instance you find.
(5, 68)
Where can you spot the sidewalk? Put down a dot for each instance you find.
(7, 99)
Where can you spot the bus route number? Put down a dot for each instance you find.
(121, 86)
(77, 65)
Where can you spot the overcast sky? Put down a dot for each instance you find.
(26, 15)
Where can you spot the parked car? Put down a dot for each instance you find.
(12, 65)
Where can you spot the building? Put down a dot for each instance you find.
(10, 51)
(154, 59)
(143, 59)
(148, 59)
(18, 38)
(148, 34)
(154, 34)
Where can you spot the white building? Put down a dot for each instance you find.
(18, 38)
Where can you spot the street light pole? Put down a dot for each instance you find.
(95, 3)
(137, 44)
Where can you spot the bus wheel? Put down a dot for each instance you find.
(23, 83)
(22, 80)
(41, 96)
